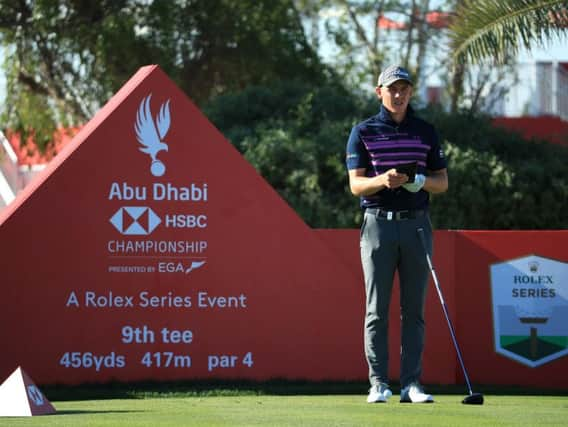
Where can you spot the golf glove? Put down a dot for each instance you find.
(417, 185)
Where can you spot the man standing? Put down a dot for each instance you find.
(395, 161)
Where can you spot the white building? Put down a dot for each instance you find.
(9, 176)
(542, 90)
(19, 165)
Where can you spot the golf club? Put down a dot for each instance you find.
(473, 398)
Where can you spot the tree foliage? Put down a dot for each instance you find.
(66, 58)
(249, 64)
(496, 29)
(497, 179)
(362, 46)
(295, 136)
(55, 63)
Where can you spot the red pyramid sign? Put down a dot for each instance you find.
(20, 397)
(220, 279)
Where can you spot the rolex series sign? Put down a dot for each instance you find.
(530, 309)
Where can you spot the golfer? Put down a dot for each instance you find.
(395, 205)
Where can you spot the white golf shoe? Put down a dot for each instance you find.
(414, 393)
(379, 393)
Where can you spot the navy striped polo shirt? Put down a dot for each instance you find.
(379, 144)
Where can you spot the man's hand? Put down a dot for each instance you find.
(393, 179)
(416, 186)
(362, 185)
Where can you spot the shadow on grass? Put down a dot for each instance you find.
(90, 412)
(278, 387)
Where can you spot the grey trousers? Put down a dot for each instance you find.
(387, 246)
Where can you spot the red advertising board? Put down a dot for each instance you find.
(541, 287)
(150, 249)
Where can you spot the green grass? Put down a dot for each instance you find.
(301, 410)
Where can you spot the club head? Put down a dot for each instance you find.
(473, 399)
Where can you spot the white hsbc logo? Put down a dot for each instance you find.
(135, 220)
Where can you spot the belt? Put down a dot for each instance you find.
(396, 215)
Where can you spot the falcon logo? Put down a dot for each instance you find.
(151, 134)
(135, 220)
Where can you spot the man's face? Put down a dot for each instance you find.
(396, 96)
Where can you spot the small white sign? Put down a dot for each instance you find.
(20, 397)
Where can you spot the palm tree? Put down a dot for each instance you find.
(496, 29)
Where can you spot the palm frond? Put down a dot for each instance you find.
(496, 29)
